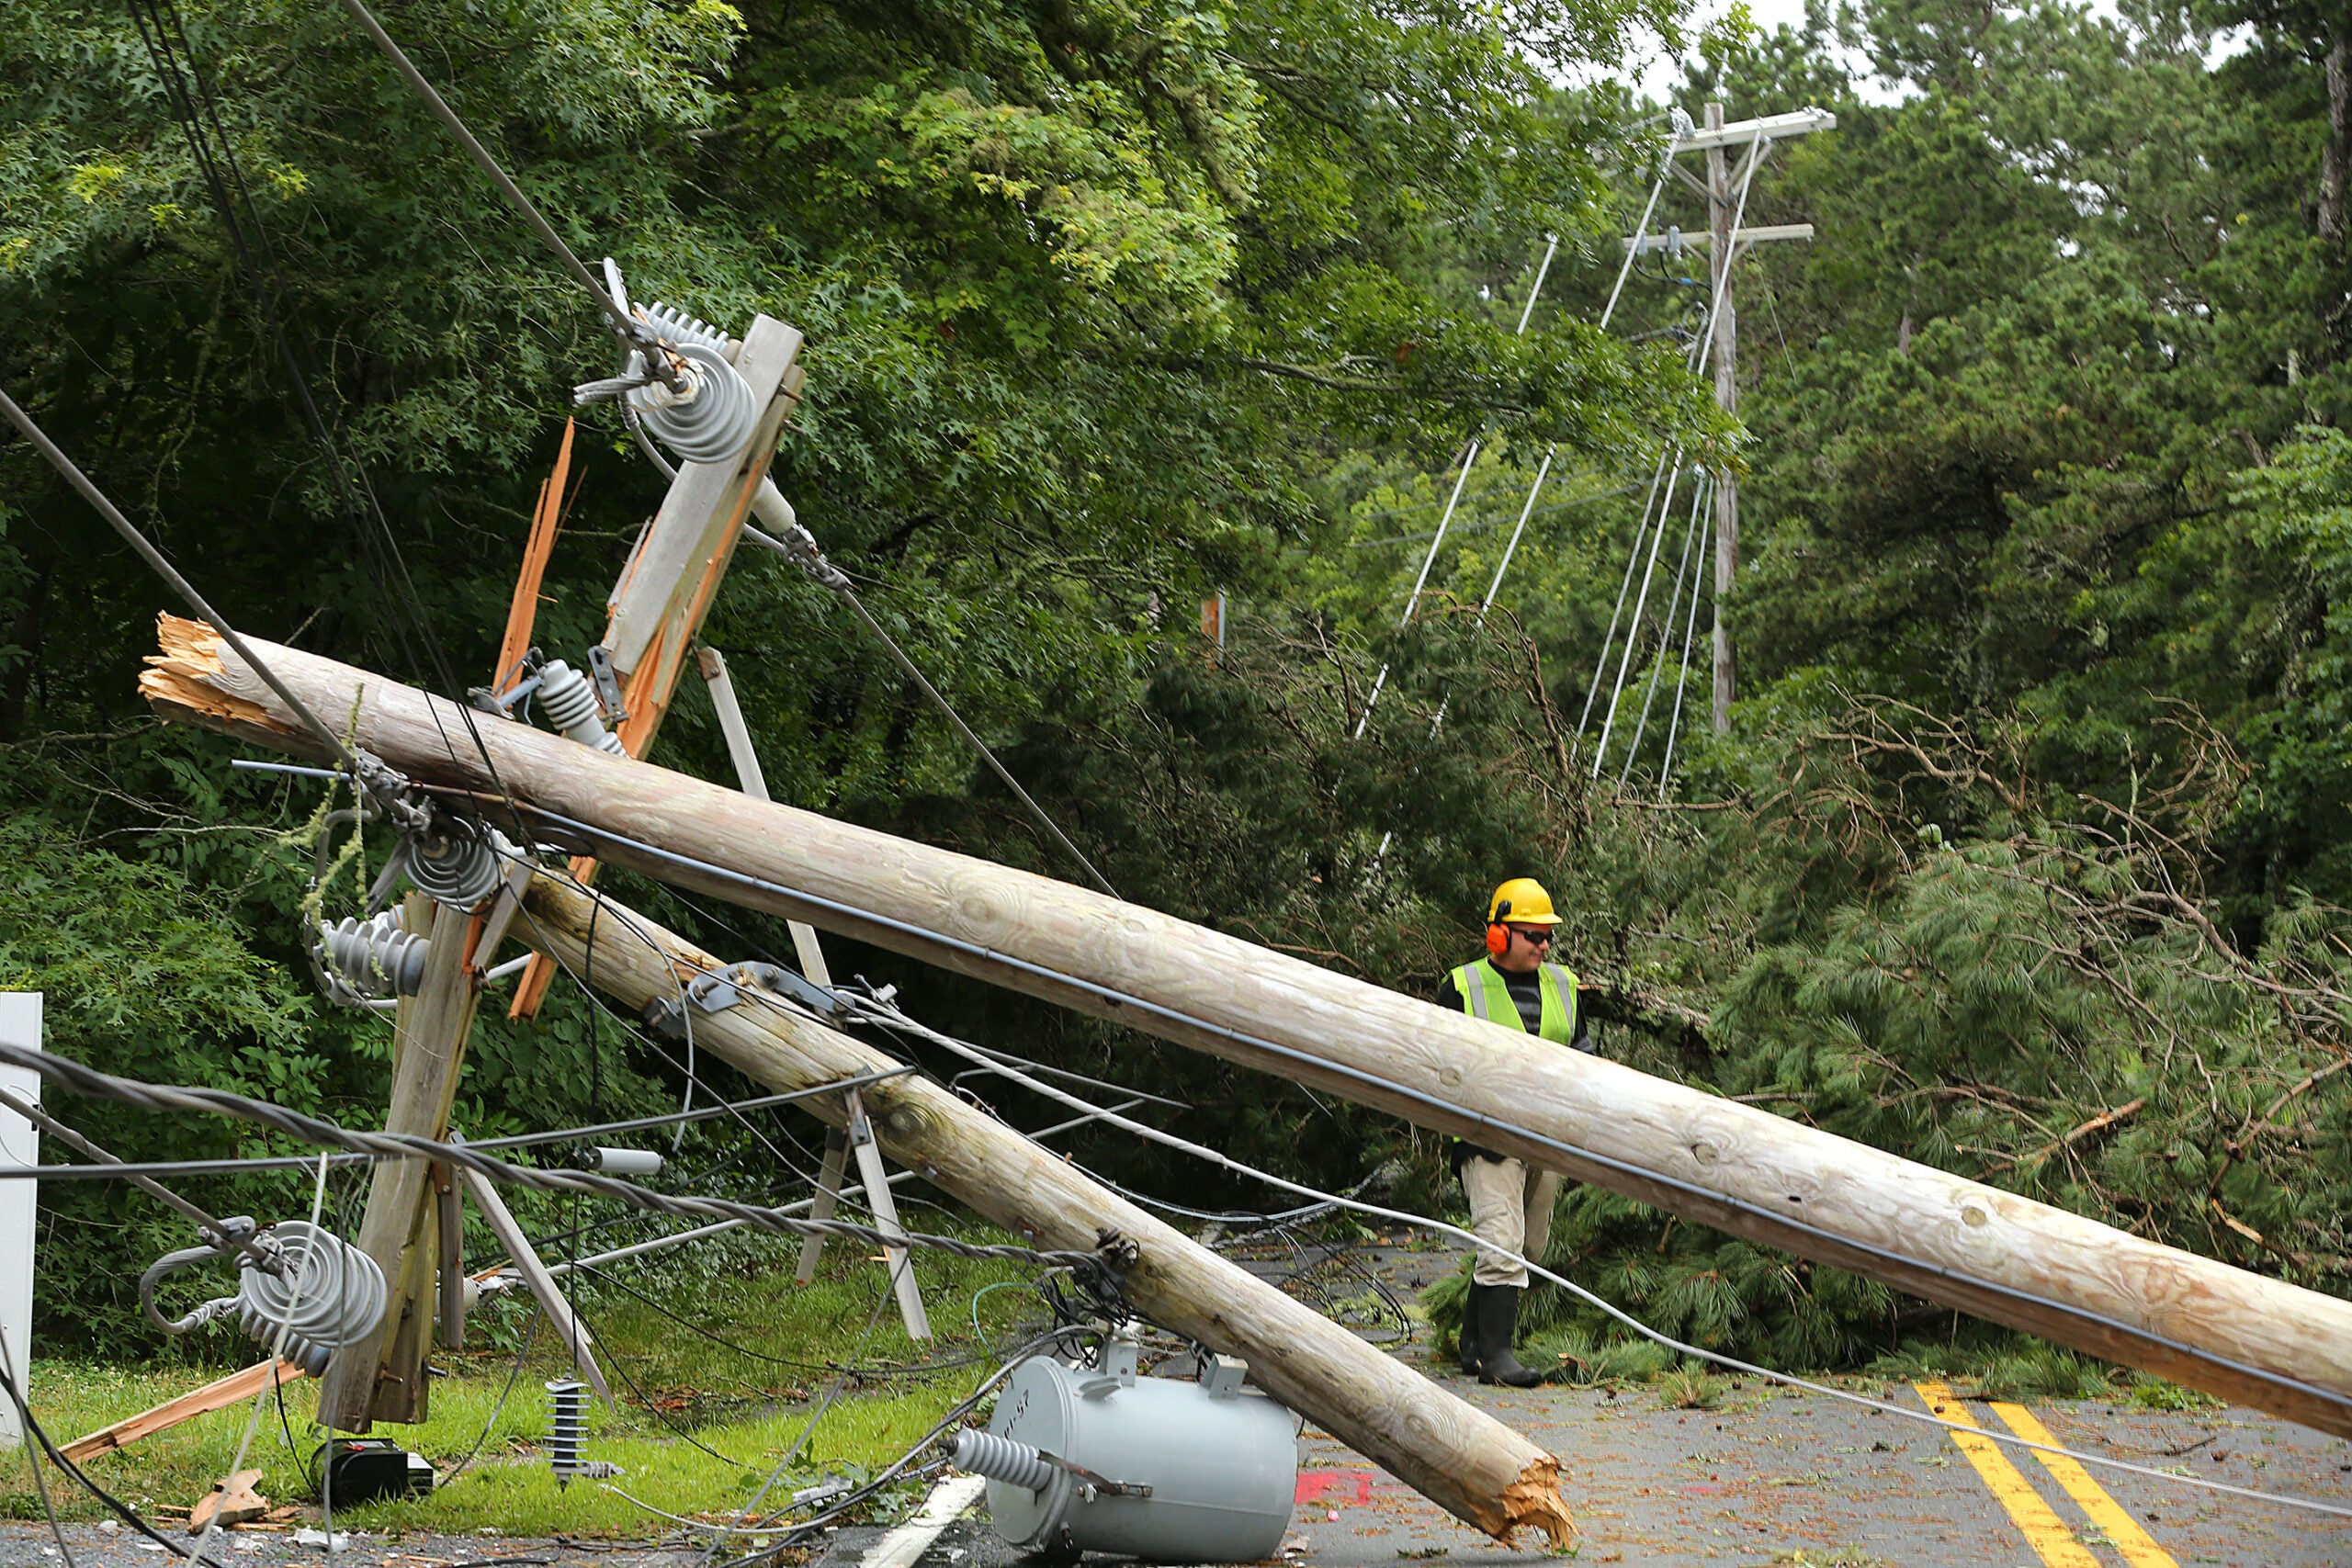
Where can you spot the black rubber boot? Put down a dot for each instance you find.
(1498, 1327)
(1473, 1310)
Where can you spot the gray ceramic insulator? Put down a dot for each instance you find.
(563, 1428)
(570, 702)
(1007, 1459)
(376, 957)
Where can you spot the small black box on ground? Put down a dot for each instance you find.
(364, 1469)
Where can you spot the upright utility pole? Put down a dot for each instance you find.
(1726, 189)
(1721, 254)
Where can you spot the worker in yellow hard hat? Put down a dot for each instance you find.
(1516, 986)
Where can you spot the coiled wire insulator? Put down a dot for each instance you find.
(373, 958)
(1008, 1460)
(333, 1291)
(456, 862)
(711, 422)
(570, 702)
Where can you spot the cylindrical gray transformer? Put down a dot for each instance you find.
(1171, 1470)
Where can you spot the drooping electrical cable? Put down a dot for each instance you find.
(175, 1098)
(632, 331)
(164, 569)
(214, 154)
(802, 552)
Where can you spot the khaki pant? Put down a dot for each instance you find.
(1510, 1207)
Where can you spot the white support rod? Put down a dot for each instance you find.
(1665, 631)
(1535, 289)
(1682, 676)
(1444, 521)
(1608, 639)
(746, 758)
(1705, 348)
(1657, 187)
(1502, 566)
(1633, 627)
(1469, 458)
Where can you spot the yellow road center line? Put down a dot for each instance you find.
(2044, 1530)
(2138, 1547)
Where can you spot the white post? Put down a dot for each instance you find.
(19, 1145)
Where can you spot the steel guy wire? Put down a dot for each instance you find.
(631, 330)
(120, 1509)
(837, 914)
(1229, 1164)
(170, 574)
(32, 1451)
(193, 106)
(1699, 494)
(813, 562)
(168, 1098)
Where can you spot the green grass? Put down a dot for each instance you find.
(749, 1409)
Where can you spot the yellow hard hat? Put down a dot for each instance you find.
(1523, 900)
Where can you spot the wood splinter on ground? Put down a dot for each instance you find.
(231, 1503)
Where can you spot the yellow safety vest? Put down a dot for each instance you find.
(1487, 998)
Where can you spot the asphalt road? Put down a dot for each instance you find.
(1769, 1476)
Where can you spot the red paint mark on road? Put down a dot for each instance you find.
(1316, 1485)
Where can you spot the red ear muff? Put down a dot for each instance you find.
(1497, 939)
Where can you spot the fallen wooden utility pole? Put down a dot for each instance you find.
(1455, 1454)
(2199, 1322)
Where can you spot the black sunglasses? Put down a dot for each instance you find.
(1541, 936)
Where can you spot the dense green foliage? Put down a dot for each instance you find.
(2024, 854)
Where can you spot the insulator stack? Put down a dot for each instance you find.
(376, 957)
(564, 1428)
(570, 702)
